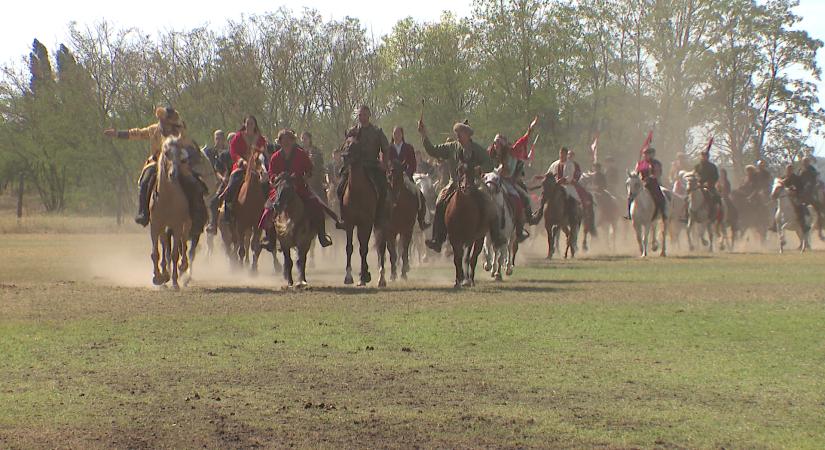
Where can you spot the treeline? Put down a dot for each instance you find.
(688, 69)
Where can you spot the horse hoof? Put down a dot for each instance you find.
(175, 286)
(466, 283)
(393, 277)
(404, 276)
(498, 277)
(509, 271)
(366, 278)
(382, 283)
(487, 267)
(348, 280)
(156, 281)
(362, 284)
(457, 285)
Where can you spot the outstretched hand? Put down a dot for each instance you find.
(110, 132)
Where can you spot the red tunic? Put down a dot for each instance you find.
(239, 149)
(299, 167)
(407, 157)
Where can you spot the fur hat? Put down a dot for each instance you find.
(168, 115)
(462, 126)
(286, 132)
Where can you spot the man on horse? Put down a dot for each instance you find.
(462, 150)
(650, 170)
(169, 124)
(247, 142)
(507, 158)
(586, 198)
(372, 141)
(221, 161)
(404, 153)
(708, 175)
(795, 184)
(294, 162)
(563, 170)
(809, 178)
(763, 178)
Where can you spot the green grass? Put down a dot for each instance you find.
(693, 352)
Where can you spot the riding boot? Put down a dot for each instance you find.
(146, 182)
(439, 228)
(422, 212)
(214, 204)
(323, 237)
(230, 193)
(269, 241)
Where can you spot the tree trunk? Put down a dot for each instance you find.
(20, 187)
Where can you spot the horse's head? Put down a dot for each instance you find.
(492, 183)
(466, 176)
(170, 158)
(351, 150)
(634, 183)
(396, 172)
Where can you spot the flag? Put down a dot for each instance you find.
(710, 144)
(532, 153)
(594, 149)
(647, 143)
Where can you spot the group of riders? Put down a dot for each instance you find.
(304, 164)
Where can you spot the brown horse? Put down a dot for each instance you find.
(293, 228)
(466, 226)
(403, 213)
(560, 216)
(358, 209)
(169, 216)
(247, 212)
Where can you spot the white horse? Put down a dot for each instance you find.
(496, 257)
(787, 217)
(643, 214)
(427, 187)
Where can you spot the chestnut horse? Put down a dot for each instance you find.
(169, 216)
(360, 202)
(293, 228)
(560, 216)
(466, 226)
(403, 213)
(247, 213)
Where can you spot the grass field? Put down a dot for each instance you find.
(688, 352)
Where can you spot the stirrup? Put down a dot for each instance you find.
(324, 240)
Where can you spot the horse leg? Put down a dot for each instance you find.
(381, 248)
(665, 228)
(467, 252)
(364, 248)
(477, 246)
(348, 276)
(689, 233)
(405, 241)
(458, 261)
(174, 262)
(287, 266)
(164, 259)
(641, 239)
(392, 247)
(256, 250)
(488, 255)
(303, 252)
(184, 260)
(156, 278)
(511, 257)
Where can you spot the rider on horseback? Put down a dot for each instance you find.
(294, 162)
(650, 170)
(372, 141)
(809, 177)
(587, 202)
(169, 124)
(795, 184)
(462, 150)
(507, 158)
(221, 161)
(708, 175)
(404, 153)
(247, 141)
(563, 170)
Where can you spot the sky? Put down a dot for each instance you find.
(50, 27)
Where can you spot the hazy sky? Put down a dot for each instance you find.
(50, 22)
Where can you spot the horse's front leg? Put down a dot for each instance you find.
(458, 261)
(467, 256)
(303, 252)
(550, 241)
(287, 266)
(665, 228)
(392, 249)
(348, 277)
(381, 249)
(256, 250)
(641, 239)
(477, 246)
(156, 276)
(406, 240)
(176, 255)
(364, 248)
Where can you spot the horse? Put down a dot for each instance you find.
(755, 213)
(396, 233)
(787, 217)
(358, 210)
(293, 228)
(243, 230)
(560, 216)
(426, 185)
(169, 216)
(466, 225)
(502, 255)
(699, 213)
(607, 212)
(643, 214)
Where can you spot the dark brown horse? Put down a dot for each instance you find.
(467, 226)
(360, 201)
(403, 213)
(561, 214)
(294, 229)
(244, 229)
